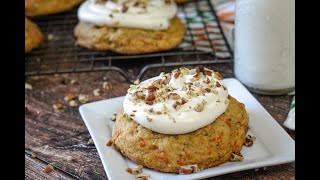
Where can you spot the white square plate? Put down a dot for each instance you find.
(272, 146)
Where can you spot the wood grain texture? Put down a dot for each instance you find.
(53, 135)
(34, 171)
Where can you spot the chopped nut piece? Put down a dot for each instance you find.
(69, 158)
(124, 8)
(27, 86)
(143, 177)
(135, 170)
(69, 97)
(96, 92)
(207, 80)
(174, 96)
(188, 169)
(83, 98)
(218, 75)
(176, 105)
(110, 142)
(207, 90)
(199, 107)
(207, 71)
(249, 140)
(73, 103)
(197, 75)
(150, 95)
(183, 101)
(48, 168)
(218, 84)
(107, 86)
(58, 106)
(236, 157)
(184, 70)
(139, 95)
(176, 74)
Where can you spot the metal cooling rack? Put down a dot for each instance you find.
(204, 43)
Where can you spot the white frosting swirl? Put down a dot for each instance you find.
(181, 105)
(140, 14)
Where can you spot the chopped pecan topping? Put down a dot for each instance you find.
(110, 142)
(135, 170)
(150, 98)
(236, 157)
(176, 74)
(174, 96)
(176, 105)
(199, 107)
(249, 140)
(218, 84)
(207, 90)
(207, 71)
(189, 169)
(197, 75)
(124, 8)
(143, 177)
(139, 94)
(218, 75)
(183, 101)
(207, 80)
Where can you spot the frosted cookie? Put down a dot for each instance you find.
(179, 119)
(129, 27)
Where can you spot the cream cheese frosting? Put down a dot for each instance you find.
(178, 102)
(140, 14)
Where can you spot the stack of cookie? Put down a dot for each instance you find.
(33, 35)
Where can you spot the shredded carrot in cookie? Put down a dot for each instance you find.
(219, 137)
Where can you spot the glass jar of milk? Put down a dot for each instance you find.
(265, 45)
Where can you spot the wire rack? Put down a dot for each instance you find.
(204, 43)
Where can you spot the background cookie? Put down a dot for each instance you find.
(44, 7)
(127, 40)
(207, 147)
(33, 35)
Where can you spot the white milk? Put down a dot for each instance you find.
(264, 45)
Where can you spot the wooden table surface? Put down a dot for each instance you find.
(53, 135)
